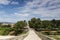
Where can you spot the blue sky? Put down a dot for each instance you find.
(15, 10)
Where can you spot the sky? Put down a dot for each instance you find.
(16, 10)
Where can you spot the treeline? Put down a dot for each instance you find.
(38, 24)
(35, 23)
(18, 28)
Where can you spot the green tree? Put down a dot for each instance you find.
(46, 24)
(0, 24)
(19, 27)
(6, 26)
(35, 23)
(54, 23)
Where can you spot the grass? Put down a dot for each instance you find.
(57, 37)
(4, 31)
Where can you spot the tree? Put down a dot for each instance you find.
(53, 22)
(19, 27)
(35, 23)
(6, 26)
(58, 24)
(0, 24)
(46, 24)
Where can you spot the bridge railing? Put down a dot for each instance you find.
(16, 37)
(44, 37)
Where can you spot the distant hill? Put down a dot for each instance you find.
(7, 23)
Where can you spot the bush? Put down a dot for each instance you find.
(4, 31)
(19, 27)
(51, 33)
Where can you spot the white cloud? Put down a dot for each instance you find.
(4, 17)
(4, 2)
(33, 9)
(14, 3)
(21, 15)
(42, 8)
